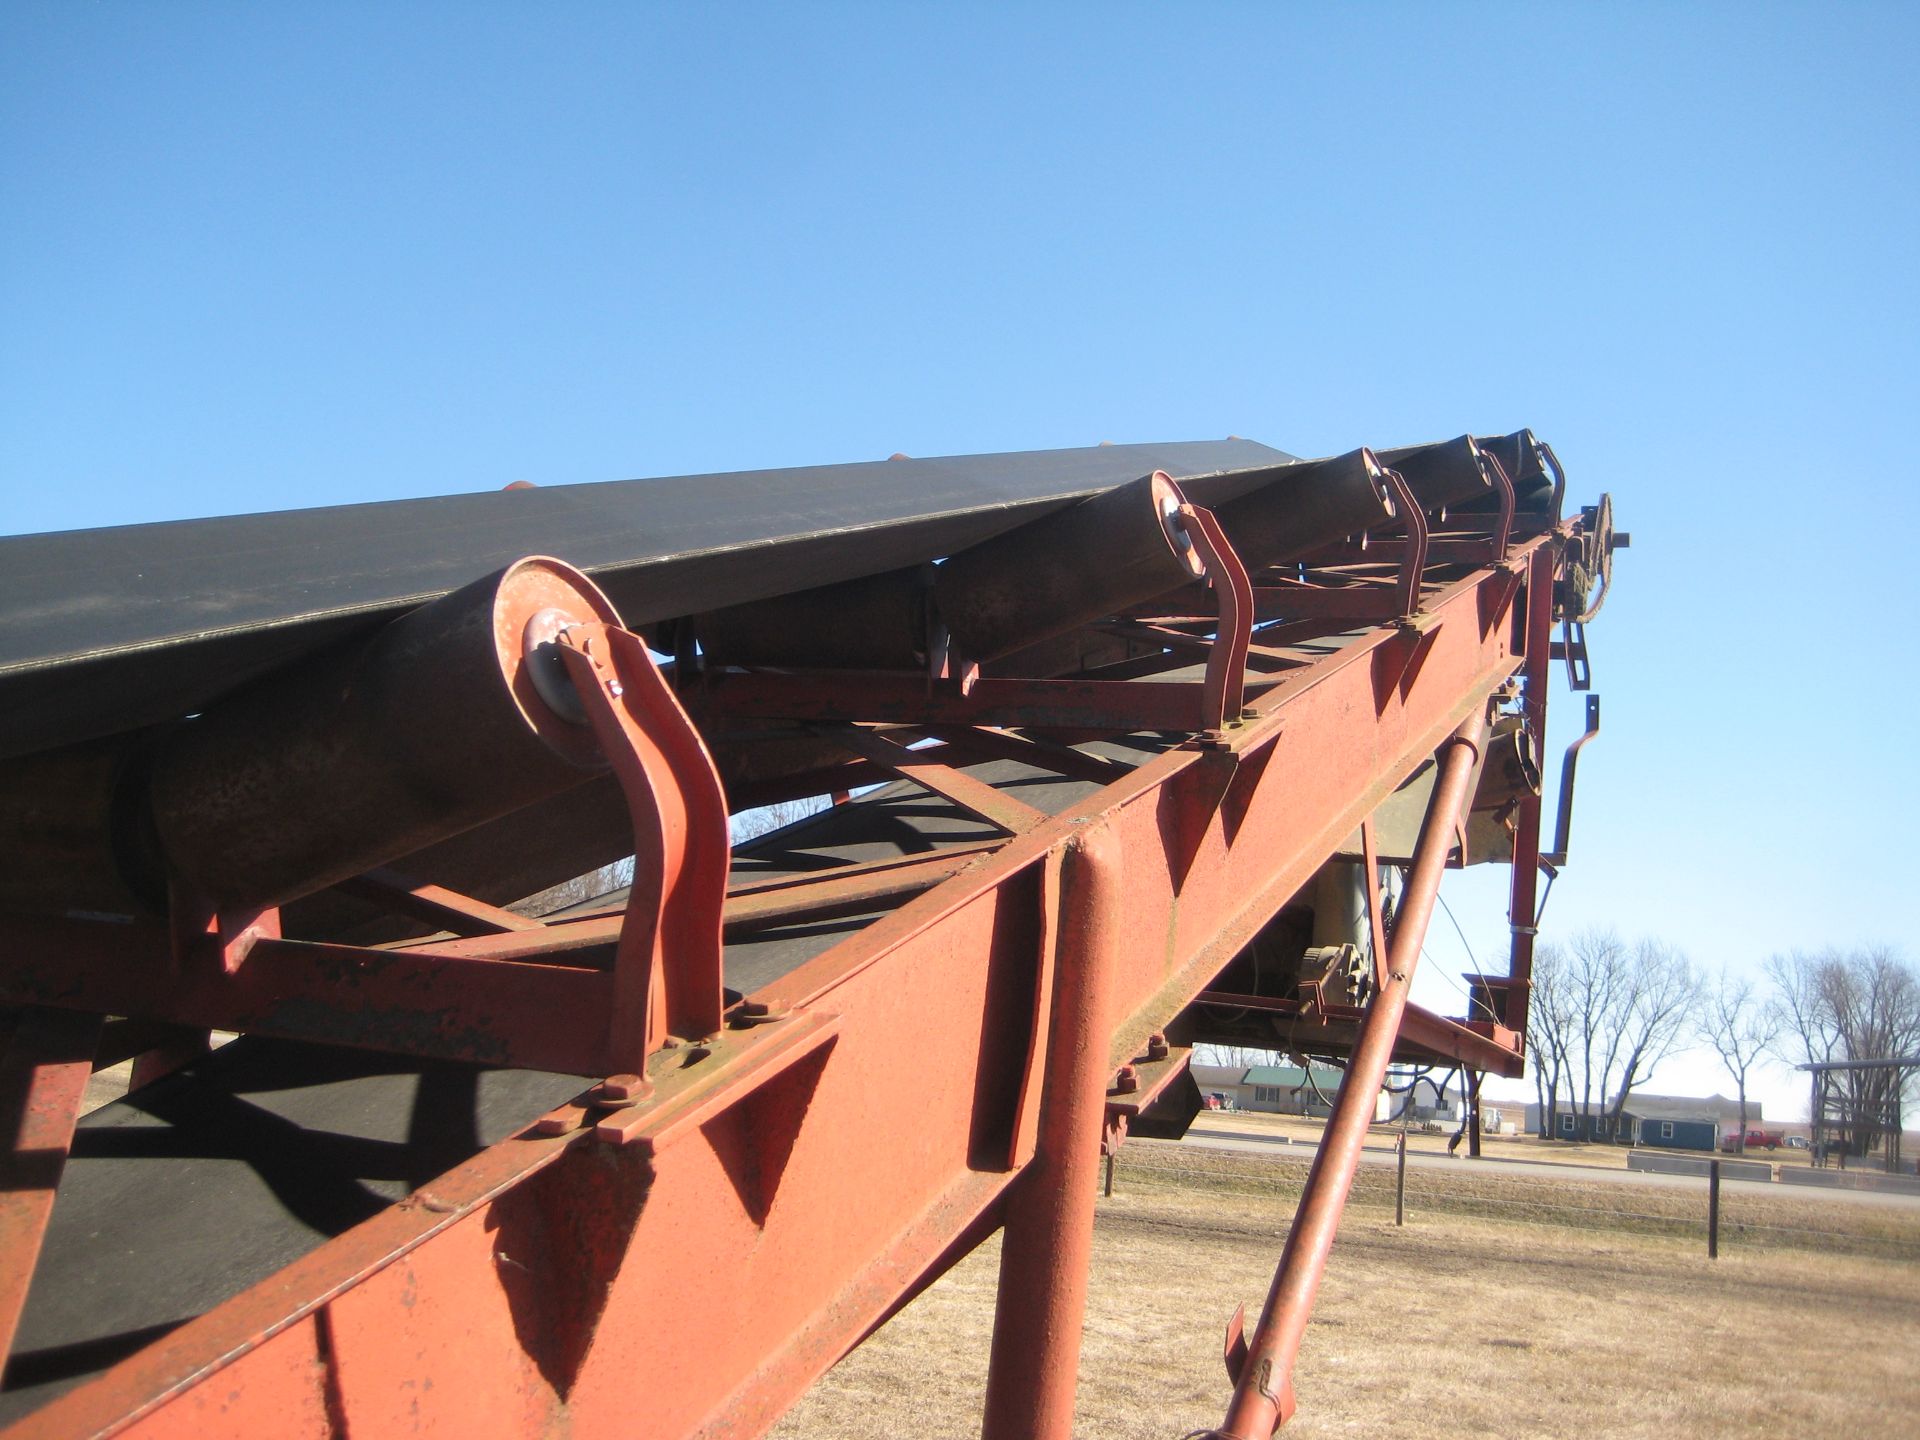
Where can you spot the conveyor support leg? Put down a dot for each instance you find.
(1045, 1254)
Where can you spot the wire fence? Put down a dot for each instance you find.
(1591, 1204)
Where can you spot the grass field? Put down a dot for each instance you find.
(1774, 1219)
(1307, 1130)
(1506, 1307)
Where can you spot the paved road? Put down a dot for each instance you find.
(1382, 1154)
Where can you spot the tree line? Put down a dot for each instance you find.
(1606, 1012)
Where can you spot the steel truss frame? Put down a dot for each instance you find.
(684, 1248)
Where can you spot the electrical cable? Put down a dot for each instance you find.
(1472, 1000)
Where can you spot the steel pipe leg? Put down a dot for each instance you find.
(1045, 1254)
(1263, 1392)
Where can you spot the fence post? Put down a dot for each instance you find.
(1713, 1209)
(1400, 1181)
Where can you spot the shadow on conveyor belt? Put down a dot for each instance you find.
(199, 1185)
(196, 1186)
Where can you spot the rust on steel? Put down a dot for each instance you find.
(1537, 482)
(57, 827)
(828, 1235)
(1020, 589)
(667, 967)
(933, 987)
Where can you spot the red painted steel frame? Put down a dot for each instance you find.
(1048, 1248)
(795, 1184)
(44, 1065)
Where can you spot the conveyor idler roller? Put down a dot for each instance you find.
(1449, 473)
(1307, 505)
(1523, 456)
(371, 751)
(1042, 579)
(1071, 567)
(439, 722)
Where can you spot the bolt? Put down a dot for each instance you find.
(1127, 1081)
(1157, 1046)
(624, 1088)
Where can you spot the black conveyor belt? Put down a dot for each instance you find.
(111, 629)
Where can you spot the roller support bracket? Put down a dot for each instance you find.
(1503, 487)
(1413, 562)
(1398, 600)
(1223, 693)
(667, 966)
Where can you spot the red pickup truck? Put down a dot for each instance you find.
(1756, 1140)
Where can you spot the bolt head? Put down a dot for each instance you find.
(623, 1087)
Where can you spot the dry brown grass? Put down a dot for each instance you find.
(1454, 1325)
(1750, 1219)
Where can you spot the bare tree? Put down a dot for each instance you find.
(1238, 1057)
(593, 885)
(1655, 1015)
(610, 879)
(1807, 1022)
(752, 824)
(1602, 1015)
(1597, 982)
(1551, 1021)
(1740, 1028)
(1850, 1005)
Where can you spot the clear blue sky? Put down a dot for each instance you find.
(254, 257)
